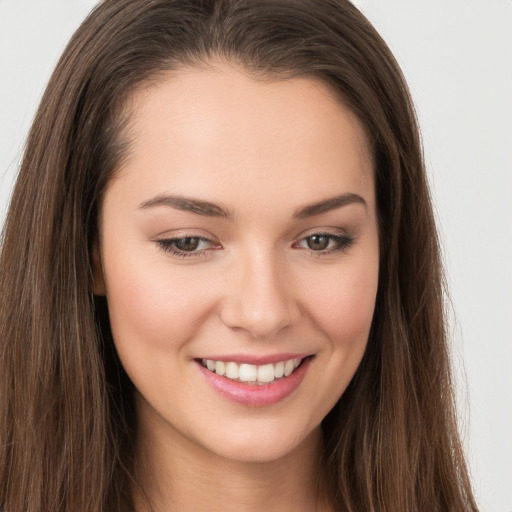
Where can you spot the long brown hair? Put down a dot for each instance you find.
(67, 421)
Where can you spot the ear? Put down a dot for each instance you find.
(98, 284)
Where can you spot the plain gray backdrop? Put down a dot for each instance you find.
(457, 58)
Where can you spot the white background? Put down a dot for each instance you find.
(457, 58)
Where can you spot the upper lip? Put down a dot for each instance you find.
(257, 360)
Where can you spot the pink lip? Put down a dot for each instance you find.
(253, 394)
(256, 360)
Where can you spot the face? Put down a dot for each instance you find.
(239, 256)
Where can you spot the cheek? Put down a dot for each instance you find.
(341, 307)
(342, 304)
(151, 306)
(348, 310)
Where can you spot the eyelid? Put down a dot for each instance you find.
(167, 241)
(169, 234)
(343, 239)
(328, 231)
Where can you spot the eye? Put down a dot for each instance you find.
(318, 242)
(187, 246)
(325, 242)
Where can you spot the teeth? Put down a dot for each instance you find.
(266, 373)
(220, 368)
(248, 372)
(252, 373)
(231, 370)
(288, 368)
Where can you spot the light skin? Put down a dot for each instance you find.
(282, 259)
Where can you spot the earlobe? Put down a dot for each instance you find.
(98, 283)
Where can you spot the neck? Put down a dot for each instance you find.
(178, 475)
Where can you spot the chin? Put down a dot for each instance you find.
(264, 444)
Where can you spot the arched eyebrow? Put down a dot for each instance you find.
(189, 204)
(209, 209)
(326, 205)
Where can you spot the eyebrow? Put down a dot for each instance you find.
(209, 209)
(327, 205)
(188, 204)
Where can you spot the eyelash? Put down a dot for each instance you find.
(169, 245)
(342, 243)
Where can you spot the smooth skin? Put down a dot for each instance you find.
(254, 277)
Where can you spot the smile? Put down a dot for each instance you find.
(255, 385)
(250, 373)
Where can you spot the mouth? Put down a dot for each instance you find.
(255, 385)
(253, 374)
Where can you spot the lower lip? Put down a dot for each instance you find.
(256, 395)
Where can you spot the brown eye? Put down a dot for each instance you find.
(318, 242)
(325, 243)
(187, 244)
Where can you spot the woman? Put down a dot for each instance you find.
(220, 279)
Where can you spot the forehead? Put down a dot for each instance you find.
(204, 130)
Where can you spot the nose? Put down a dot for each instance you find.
(260, 299)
